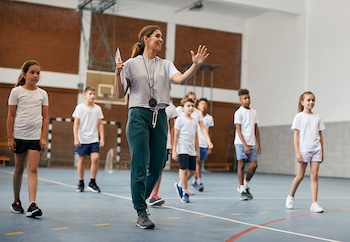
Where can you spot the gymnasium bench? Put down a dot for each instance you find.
(214, 166)
(3, 159)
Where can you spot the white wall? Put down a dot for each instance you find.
(273, 67)
(329, 57)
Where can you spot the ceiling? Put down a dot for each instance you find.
(220, 7)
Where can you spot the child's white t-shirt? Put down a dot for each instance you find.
(208, 122)
(187, 136)
(309, 126)
(247, 118)
(89, 117)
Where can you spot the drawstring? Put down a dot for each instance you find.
(154, 118)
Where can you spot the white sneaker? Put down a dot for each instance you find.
(316, 208)
(289, 202)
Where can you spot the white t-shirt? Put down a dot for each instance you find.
(309, 126)
(187, 136)
(29, 119)
(247, 118)
(208, 122)
(170, 113)
(89, 117)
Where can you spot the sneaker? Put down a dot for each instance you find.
(244, 196)
(185, 198)
(156, 200)
(250, 196)
(93, 187)
(34, 211)
(178, 189)
(201, 187)
(316, 208)
(16, 207)
(195, 185)
(289, 202)
(143, 222)
(80, 187)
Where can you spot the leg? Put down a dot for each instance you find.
(18, 174)
(33, 157)
(240, 171)
(252, 168)
(314, 167)
(95, 160)
(298, 178)
(81, 167)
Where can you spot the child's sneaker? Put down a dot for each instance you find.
(185, 198)
(143, 222)
(289, 202)
(33, 211)
(156, 200)
(244, 196)
(80, 187)
(16, 207)
(316, 208)
(195, 184)
(249, 195)
(93, 187)
(201, 187)
(178, 189)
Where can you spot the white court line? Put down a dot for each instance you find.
(199, 213)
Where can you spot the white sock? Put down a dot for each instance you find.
(179, 183)
(242, 188)
(245, 182)
(198, 181)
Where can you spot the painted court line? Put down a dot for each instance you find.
(253, 226)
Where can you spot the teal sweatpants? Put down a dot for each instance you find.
(147, 146)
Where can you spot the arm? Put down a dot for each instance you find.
(119, 88)
(206, 134)
(172, 133)
(45, 127)
(197, 147)
(240, 135)
(75, 131)
(296, 145)
(197, 60)
(209, 150)
(176, 138)
(321, 141)
(11, 114)
(101, 131)
(257, 135)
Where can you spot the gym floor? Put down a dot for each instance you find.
(216, 214)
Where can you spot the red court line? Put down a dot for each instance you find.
(236, 236)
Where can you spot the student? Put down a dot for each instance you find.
(27, 128)
(186, 147)
(208, 122)
(198, 116)
(148, 78)
(171, 114)
(247, 142)
(308, 146)
(88, 134)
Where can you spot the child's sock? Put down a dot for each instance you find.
(242, 188)
(199, 181)
(245, 182)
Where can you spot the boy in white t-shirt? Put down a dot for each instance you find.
(247, 142)
(88, 137)
(186, 147)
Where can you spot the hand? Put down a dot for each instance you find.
(209, 151)
(200, 56)
(11, 144)
(298, 157)
(102, 143)
(43, 144)
(76, 142)
(247, 149)
(174, 155)
(210, 145)
(119, 66)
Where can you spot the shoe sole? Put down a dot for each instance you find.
(92, 190)
(17, 212)
(201, 189)
(157, 203)
(244, 198)
(35, 213)
(145, 227)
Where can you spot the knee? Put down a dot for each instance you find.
(299, 178)
(254, 165)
